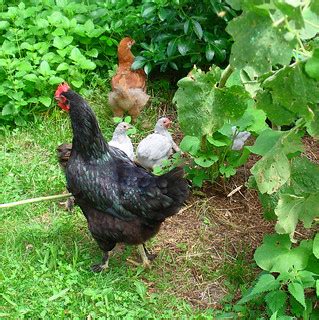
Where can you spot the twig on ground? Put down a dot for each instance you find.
(33, 200)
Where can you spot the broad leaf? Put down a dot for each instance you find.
(271, 172)
(206, 160)
(266, 282)
(288, 210)
(45, 100)
(311, 22)
(292, 89)
(283, 258)
(276, 300)
(266, 141)
(203, 108)
(297, 291)
(276, 113)
(258, 43)
(190, 144)
(44, 68)
(253, 120)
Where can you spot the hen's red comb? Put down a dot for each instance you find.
(63, 87)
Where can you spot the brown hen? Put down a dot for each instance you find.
(128, 86)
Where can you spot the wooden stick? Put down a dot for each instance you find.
(33, 200)
(234, 191)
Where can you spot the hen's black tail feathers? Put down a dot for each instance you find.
(177, 189)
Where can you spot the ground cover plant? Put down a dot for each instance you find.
(219, 257)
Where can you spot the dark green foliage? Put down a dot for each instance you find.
(179, 34)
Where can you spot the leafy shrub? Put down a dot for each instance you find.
(44, 43)
(274, 60)
(179, 34)
(207, 113)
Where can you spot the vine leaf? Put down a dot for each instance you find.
(202, 107)
(288, 209)
(273, 170)
(297, 291)
(258, 43)
(283, 258)
(288, 94)
(304, 176)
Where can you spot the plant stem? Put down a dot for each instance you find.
(33, 200)
(225, 75)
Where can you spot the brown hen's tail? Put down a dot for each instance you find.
(177, 189)
(64, 152)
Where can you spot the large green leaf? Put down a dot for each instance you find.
(266, 282)
(304, 176)
(297, 291)
(276, 300)
(266, 141)
(276, 254)
(291, 208)
(288, 210)
(311, 24)
(258, 43)
(271, 172)
(276, 113)
(202, 107)
(253, 120)
(292, 89)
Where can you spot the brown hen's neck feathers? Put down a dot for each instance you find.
(124, 54)
(87, 136)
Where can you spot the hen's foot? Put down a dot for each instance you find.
(68, 204)
(151, 256)
(144, 255)
(100, 267)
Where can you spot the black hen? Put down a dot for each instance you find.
(121, 201)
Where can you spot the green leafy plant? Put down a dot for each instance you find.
(179, 34)
(208, 112)
(274, 70)
(44, 43)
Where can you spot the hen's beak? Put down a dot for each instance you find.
(168, 123)
(62, 103)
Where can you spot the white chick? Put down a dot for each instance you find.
(156, 147)
(239, 138)
(121, 141)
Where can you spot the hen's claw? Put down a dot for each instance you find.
(99, 267)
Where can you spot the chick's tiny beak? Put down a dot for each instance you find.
(168, 123)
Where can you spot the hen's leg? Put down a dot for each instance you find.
(134, 112)
(145, 255)
(146, 261)
(118, 112)
(105, 246)
(150, 256)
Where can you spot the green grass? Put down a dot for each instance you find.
(46, 253)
